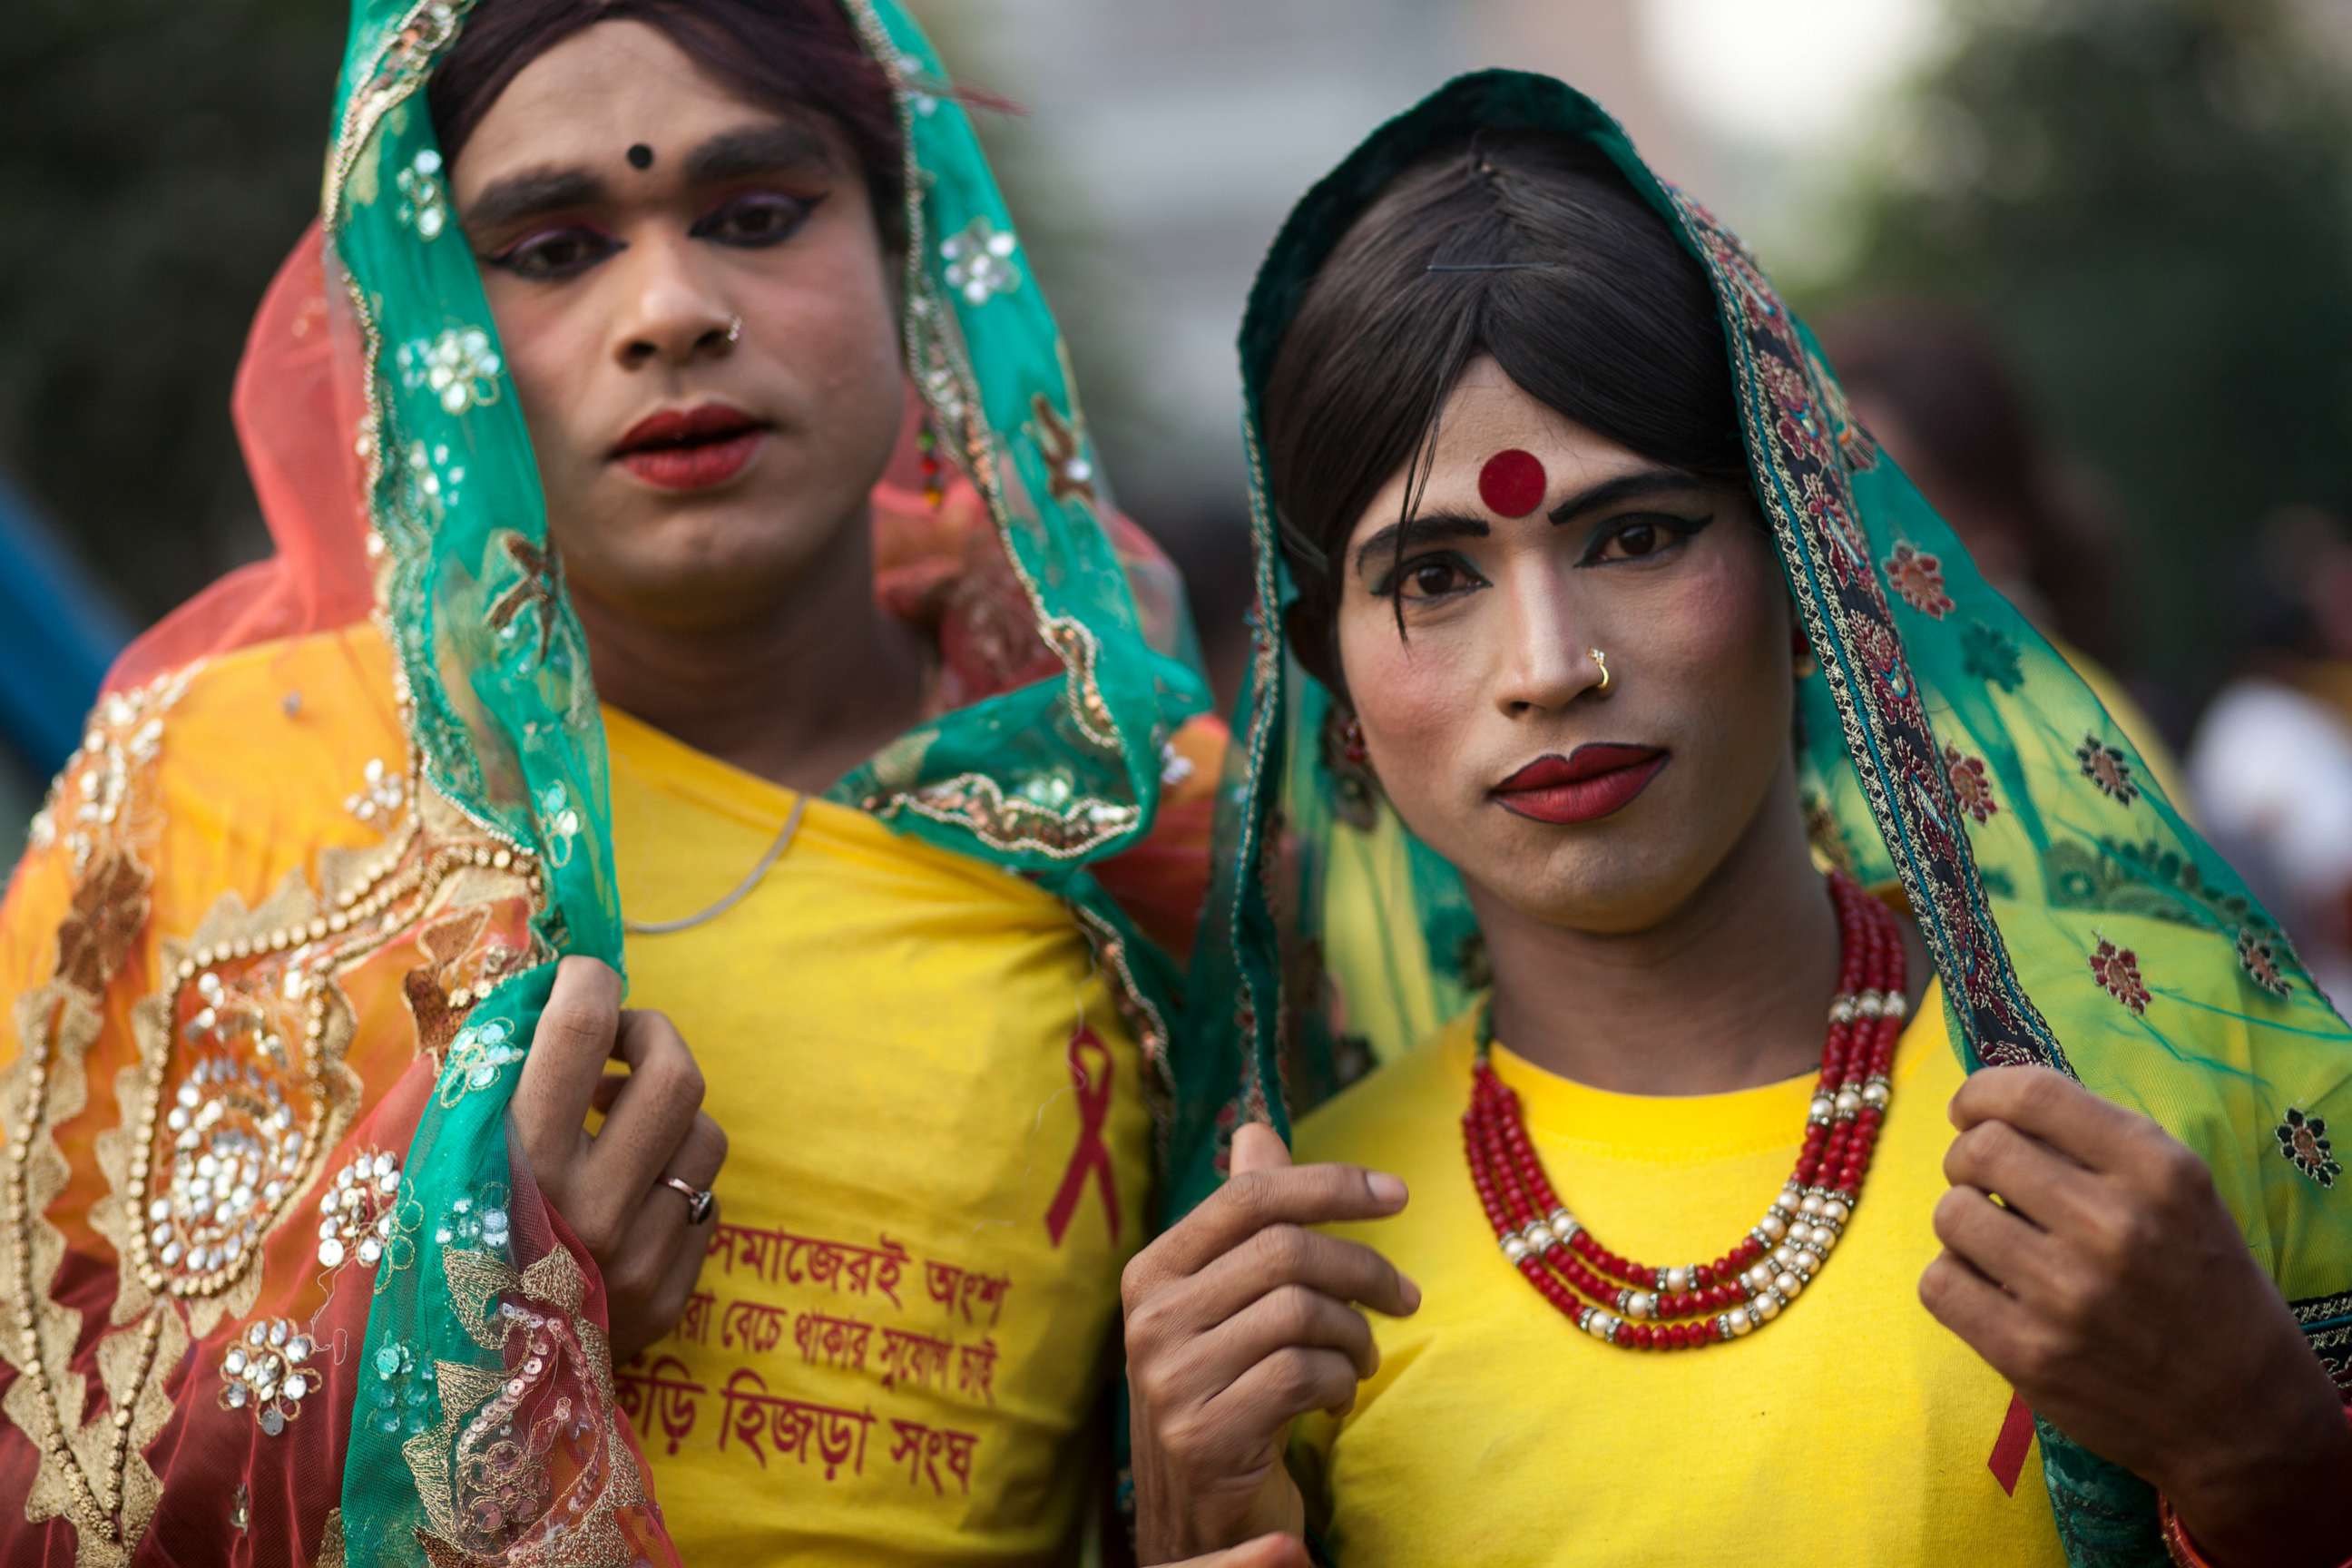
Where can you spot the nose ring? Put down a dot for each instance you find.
(1601, 660)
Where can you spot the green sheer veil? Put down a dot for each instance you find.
(1046, 780)
(2074, 915)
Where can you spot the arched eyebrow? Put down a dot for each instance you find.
(1623, 487)
(778, 147)
(550, 188)
(1418, 531)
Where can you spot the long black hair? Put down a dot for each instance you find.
(1528, 248)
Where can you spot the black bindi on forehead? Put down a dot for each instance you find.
(640, 156)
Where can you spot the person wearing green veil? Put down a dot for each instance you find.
(350, 1218)
(1828, 1104)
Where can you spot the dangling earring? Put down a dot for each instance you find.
(1355, 793)
(927, 442)
(1804, 663)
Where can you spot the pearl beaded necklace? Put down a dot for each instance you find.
(1632, 1305)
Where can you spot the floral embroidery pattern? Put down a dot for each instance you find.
(980, 261)
(2117, 968)
(2303, 1140)
(1971, 783)
(93, 791)
(1068, 473)
(2260, 962)
(559, 824)
(401, 1397)
(109, 911)
(477, 1219)
(1879, 650)
(1918, 577)
(1990, 657)
(355, 1216)
(484, 1470)
(539, 595)
(459, 368)
(2105, 766)
(433, 478)
(379, 796)
(1804, 485)
(459, 970)
(477, 1054)
(1856, 445)
(268, 1373)
(422, 205)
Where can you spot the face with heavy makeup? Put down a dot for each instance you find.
(698, 311)
(1468, 656)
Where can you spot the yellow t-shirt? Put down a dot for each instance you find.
(1854, 1428)
(899, 1342)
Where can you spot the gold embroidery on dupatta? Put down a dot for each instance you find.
(978, 803)
(940, 364)
(241, 1090)
(246, 1034)
(399, 68)
(1142, 1017)
(102, 806)
(483, 1474)
(331, 1542)
(98, 798)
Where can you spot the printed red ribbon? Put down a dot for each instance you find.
(1092, 1156)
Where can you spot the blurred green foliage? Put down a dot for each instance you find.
(2151, 199)
(165, 157)
(2151, 203)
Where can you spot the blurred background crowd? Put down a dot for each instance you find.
(2084, 265)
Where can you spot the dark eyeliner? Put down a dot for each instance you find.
(1682, 530)
(1387, 587)
(798, 211)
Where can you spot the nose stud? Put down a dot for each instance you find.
(1601, 661)
(735, 328)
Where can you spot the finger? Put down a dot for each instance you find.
(700, 1155)
(2041, 1185)
(661, 1248)
(1257, 1147)
(2052, 1107)
(649, 1120)
(1294, 1195)
(1987, 1320)
(1289, 1255)
(681, 1270)
(1266, 1551)
(1996, 1243)
(1285, 1385)
(611, 1084)
(566, 1056)
(1291, 1315)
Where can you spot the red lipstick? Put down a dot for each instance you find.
(694, 450)
(1593, 782)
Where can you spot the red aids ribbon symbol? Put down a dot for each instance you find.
(1090, 1076)
(2007, 1461)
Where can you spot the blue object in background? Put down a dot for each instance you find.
(58, 633)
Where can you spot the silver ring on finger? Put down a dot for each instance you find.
(699, 1200)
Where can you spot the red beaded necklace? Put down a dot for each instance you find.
(1631, 1304)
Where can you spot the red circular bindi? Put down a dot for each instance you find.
(1512, 483)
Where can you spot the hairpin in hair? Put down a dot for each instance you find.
(1483, 266)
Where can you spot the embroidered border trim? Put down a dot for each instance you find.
(1802, 481)
(2326, 1322)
